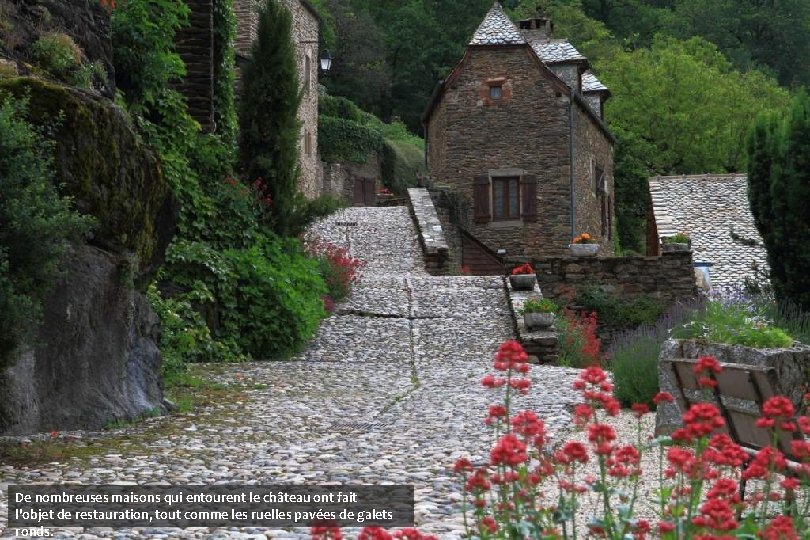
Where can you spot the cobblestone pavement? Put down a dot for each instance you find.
(387, 392)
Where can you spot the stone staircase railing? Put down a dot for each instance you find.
(431, 236)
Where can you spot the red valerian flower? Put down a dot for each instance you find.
(326, 532)
(582, 414)
(663, 397)
(640, 409)
(528, 424)
(723, 451)
(726, 489)
(489, 524)
(780, 528)
(778, 408)
(717, 514)
(490, 381)
(413, 534)
(707, 364)
(602, 437)
(572, 451)
(374, 533)
(462, 465)
(702, 419)
(509, 450)
(765, 460)
(478, 481)
(624, 462)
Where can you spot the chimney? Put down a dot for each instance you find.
(537, 28)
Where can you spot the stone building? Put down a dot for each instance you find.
(305, 31)
(516, 130)
(713, 210)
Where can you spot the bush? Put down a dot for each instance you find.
(579, 346)
(37, 225)
(56, 53)
(618, 312)
(342, 140)
(633, 355)
(338, 268)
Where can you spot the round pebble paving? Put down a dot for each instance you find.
(387, 393)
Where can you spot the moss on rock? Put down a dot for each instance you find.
(108, 171)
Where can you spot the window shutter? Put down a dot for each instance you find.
(528, 197)
(371, 192)
(481, 191)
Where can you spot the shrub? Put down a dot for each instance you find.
(619, 312)
(579, 346)
(338, 268)
(342, 140)
(56, 53)
(633, 355)
(679, 238)
(36, 224)
(542, 305)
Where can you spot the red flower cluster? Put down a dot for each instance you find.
(343, 269)
(510, 358)
(598, 394)
(699, 421)
(705, 369)
(523, 269)
(509, 450)
(110, 4)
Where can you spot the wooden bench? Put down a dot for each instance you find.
(739, 394)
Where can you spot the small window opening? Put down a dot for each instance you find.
(496, 92)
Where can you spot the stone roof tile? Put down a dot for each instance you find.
(553, 51)
(497, 29)
(714, 211)
(591, 84)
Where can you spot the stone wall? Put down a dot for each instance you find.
(306, 30)
(431, 236)
(669, 277)
(449, 219)
(524, 133)
(338, 178)
(592, 149)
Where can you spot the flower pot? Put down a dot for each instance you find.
(538, 320)
(584, 250)
(522, 282)
(669, 248)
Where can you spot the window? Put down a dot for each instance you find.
(307, 74)
(506, 198)
(308, 143)
(496, 92)
(599, 183)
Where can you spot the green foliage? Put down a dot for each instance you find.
(779, 188)
(736, 324)
(146, 63)
(619, 312)
(540, 305)
(679, 238)
(269, 123)
(402, 160)
(56, 53)
(634, 367)
(277, 302)
(37, 224)
(225, 117)
(343, 140)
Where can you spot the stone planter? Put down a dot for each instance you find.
(669, 248)
(583, 250)
(538, 320)
(522, 282)
(790, 365)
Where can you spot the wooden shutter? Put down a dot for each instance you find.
(481, 190)
(358, 199)
(528, 197)
(370, 192)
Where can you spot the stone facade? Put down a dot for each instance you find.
(502, 113)
(669, 277)
(431, 236)
(306, 30)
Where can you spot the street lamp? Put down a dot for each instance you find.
(326, 61)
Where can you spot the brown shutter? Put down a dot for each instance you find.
(371, 192)
(481, 203)
(528, 197)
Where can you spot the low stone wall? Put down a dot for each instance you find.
(669, 277)
(431, 236)
(791, 371)
(542, 346)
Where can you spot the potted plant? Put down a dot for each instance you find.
(584, 245)
(522, 278)
(679, 242)
(538, 312)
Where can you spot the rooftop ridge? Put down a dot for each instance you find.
(497, 29)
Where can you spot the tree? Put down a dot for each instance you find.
(779, 193)
(269, 116)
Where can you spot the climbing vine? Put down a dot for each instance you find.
(225, 117)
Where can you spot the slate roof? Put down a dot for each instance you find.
(714, 211)
(591, 84)
(497, 29)
(555, 51)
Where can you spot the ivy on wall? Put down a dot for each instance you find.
(344, 140)
(225, 117)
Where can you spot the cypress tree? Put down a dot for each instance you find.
(779, 193)
(271, 95)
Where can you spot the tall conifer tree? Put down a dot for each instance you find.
(271, 95)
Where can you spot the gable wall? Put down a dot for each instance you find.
(470, 135)
(592, 148)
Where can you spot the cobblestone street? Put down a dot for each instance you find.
(387, 392)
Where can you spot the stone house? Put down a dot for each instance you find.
(713, 210)
(195, 45)
(517, 131)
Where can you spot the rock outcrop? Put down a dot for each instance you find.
(96, 358)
